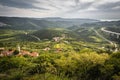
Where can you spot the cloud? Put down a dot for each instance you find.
(27, 4)
(109, 6)
(77, 2)
(61, 8)
(80, 6)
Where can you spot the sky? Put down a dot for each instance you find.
(93, 9)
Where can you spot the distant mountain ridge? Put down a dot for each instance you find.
(41, 23)
(51, 22)
(68, 19)
(103, 24)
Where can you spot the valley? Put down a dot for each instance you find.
(47, 49)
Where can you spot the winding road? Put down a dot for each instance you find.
(102, 37)
(111, 42)
(107, 31)
(111, 32)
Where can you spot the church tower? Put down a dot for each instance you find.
(18, 47)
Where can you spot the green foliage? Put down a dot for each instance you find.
(66, 66)
(7, 63)
(49, 35)
(16, 52)
(115, 61)
(77, 57)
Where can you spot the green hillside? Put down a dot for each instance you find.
(56, 32)
(25, 23)
(40, 23)
(35, 49)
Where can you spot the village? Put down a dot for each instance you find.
(17, 52)
(20, 52)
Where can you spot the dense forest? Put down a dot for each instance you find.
(85, 65)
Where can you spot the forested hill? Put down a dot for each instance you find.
(24, 23)
(53, 22)
(103, 24)
(40, 23)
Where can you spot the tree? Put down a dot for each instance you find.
(16, 52)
